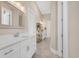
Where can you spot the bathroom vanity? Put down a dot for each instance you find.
(13, 20)
(17, 47)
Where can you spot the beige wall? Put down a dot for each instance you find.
(73, 13)
(53, 25)
(15, 22)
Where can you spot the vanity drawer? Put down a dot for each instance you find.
(10, 52)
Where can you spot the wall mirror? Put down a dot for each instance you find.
(6, 16)
(10, 16)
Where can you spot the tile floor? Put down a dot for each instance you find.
(43, 50)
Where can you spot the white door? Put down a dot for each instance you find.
(60, 29)
(65, 29)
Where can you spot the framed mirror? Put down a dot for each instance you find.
(6, 16)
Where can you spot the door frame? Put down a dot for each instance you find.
(59, 43)
(63, 29)
(60, 29)
(62, 22)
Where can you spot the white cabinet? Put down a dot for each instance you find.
(27, 48)
(10, 52)
(21, 49)
(32, 46)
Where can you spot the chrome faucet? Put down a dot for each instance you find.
(16, 35)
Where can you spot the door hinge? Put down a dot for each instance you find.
(62, 35)
(62, 3)
(62, 19)
(62, 51)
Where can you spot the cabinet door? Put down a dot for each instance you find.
(27, 49)
(32, 46)
(24, 49)
(10, 52)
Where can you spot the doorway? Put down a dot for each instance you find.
(62, 29)
(59, 29)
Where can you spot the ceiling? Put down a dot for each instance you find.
(41, 8)
(44, 6)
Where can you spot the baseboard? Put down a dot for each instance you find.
(55, 52)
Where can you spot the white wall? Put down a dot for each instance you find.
(31, 22)
(53, 26)
(44, 6)
(73, 17)
(48, 28)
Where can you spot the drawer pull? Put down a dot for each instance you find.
(8, 52)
